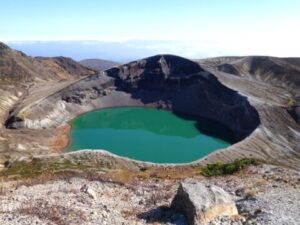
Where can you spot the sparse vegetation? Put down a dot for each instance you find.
(57, 214)
(219, 168)
(40, 170)
(37, 167)
(290, 102)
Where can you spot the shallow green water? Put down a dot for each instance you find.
(147, 134)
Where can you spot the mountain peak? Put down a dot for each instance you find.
(3, 46)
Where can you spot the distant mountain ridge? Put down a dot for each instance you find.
(17, 68)
(98, 64)
(66, 67)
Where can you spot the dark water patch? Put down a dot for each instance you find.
(208, 127)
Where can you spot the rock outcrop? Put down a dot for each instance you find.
(202, 203)
(272, 86)
(187, 88)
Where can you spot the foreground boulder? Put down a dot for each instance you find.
(202, 203)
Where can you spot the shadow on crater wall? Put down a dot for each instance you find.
(184, 87)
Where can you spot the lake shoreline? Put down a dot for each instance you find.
(146, 134)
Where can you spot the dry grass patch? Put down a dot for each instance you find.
(66, 175)
(170, 173)
(120, 176)
(57, 214)
(40, 171)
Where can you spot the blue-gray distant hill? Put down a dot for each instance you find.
(98, 64)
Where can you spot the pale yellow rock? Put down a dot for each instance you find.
(202, 203)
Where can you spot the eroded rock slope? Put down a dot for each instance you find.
(165, 81)
(257, 98)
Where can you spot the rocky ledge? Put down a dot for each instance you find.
(265, 195)
(202, 203)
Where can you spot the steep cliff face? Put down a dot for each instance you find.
(164, 81)
(272, 86)
(186, 87)
(280, 73)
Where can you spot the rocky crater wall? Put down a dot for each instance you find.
(163, 81)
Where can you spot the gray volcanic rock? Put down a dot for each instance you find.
(164, 80)
(272, 86)
(216, 61)
(187, 88)
(202, 203)
(279, 72)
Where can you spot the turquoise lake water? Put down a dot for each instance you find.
(148, 134)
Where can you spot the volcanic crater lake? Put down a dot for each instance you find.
(148, 134)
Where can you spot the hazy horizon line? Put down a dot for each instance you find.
(123, 50)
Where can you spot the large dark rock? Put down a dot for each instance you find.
(154, 72)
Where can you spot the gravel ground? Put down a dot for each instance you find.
(265, 195)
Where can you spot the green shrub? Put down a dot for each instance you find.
(219, 168)
(230, 168)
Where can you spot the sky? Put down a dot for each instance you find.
(127, 29)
